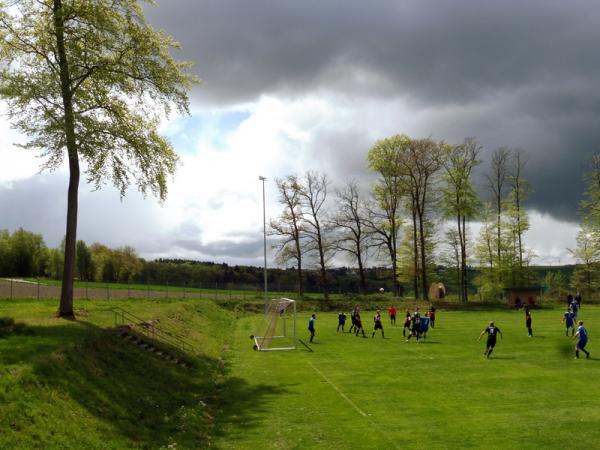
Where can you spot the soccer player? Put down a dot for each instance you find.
(424, 325)
(574, 307)
(378, 325)
(528, 322)
(406, 323)
(392, 313)
(358, 322)
(341, 321)
(353, 319)
(569, 320)
(311, 326)
(492, 331)
(578, 299)
(416, 325)
(581, 341)
(432, 316)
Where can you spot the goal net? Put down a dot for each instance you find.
(278, 328)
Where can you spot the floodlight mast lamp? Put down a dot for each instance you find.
(263, 179)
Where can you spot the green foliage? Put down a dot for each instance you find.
(121, 80)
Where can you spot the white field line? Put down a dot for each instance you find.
(344, 396)
(351, 403)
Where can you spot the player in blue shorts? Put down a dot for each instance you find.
(341, 321)
(582, 339)
(574, 307)
(569, 320)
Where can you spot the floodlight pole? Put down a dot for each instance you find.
(263, 179)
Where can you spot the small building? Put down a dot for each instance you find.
(437, 291)
(518, 297)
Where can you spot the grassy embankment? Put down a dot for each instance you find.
(78, 385)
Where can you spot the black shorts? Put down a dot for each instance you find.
(393, 317)
(491, 343)
(378, 326)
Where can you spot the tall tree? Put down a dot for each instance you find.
(587, 257)
(497, 183)
(313, 195)
(289, 226)
(420, 164)
(91, 79)
(517, 215)
(349, 222)
(385, 159)
(459, 199)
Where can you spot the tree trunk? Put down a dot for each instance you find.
(361, 270)
(423, 259)
(66, 296)
(415, 253)
(463, 249)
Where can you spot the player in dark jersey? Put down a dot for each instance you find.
(353, 319)
(492, 331)
(311, 326)
(416, 325)
(406, 324)
(378, 325)
(528, 322)
(582, 339)
(358, 322)
(432, 317)
(569, 320)
(341, 321)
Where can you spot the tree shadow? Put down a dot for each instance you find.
(148, 401)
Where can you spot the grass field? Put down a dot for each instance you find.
(76, 385)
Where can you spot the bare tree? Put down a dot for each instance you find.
(313, 195)
(289, 227)
(497, 181)
(349, 221)
(519, 191)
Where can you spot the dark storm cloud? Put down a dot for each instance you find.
(540, 55)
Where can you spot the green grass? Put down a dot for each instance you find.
(77, 385)
(351, 392)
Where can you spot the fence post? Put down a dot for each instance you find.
(107, 292)
(167, 289)
(128, 289)
(147, 290)
(86, 291)
(11, 288)
(38, 288)
(184, 284)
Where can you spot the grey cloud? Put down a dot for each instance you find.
(532, 64)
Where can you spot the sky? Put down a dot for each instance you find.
(290, 86)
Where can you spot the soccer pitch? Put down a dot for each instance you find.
(352, 392)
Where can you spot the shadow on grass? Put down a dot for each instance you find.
(147, 401)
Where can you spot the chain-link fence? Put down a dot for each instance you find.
(11, 288)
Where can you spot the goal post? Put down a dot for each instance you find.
(278, 329)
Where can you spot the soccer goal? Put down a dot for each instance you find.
(278, 328)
